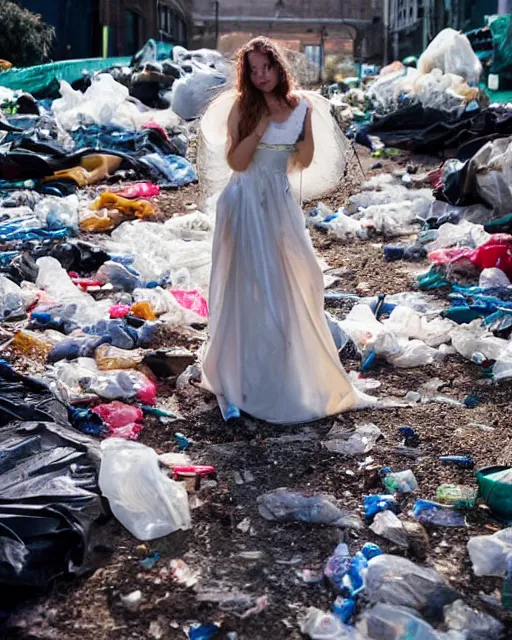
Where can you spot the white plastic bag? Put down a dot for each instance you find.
(451, 52)
(489, 554)
(144, 500)
(493, 277)
(468, 339)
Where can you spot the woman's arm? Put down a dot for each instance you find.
(241, 152)
(306, 147)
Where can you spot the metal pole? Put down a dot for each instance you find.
(385, 59)
(322, 58)
(216, 3)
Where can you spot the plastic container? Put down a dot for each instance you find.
(399, 482)
(495, 488)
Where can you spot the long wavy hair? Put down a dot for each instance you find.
(251, 101)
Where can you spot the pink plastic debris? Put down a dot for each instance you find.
(122, 420)
(119, 310)
(147, 392)
(192, 300)
(139, 190)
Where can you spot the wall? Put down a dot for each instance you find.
(79, 24)
(76, 25)
(235, 25)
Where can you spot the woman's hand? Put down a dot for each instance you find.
(262, 125)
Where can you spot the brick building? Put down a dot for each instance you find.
(95, 28)
(316, 27)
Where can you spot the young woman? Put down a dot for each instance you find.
(270, 353)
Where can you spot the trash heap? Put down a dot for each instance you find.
(435, 105)
(90, 282)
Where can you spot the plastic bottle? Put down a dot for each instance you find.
(344, 608)
(326, 626)
(108, 358)
(466, 462)
(337, 566)
(457, 495)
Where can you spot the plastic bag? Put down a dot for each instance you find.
(56, 213)
(502, 369)
(284, 505)
(493, 175)
(464, 234)
(352, 443)
(396, 581)
(337, 224)
(476, 624)
(325, 626)
(386, 622)
(451, 52)
(192, 300)
(489, 554)
(148, 503)
(490, 278)
(122, 420)
(472, 338)
(388, 526)
(12, 300)
(191, 94)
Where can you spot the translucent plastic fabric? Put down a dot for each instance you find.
(451, 52)
(192, 93)
(324, 174)
(148, 503)
(105, 102)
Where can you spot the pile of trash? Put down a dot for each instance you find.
(435, 105)
(88, 281)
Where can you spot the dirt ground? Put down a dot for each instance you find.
(241, 567)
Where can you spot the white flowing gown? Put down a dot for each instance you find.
(270, 353)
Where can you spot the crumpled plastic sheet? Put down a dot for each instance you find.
(48, 486)
(104, 102)
(179, 249)
(406, 340)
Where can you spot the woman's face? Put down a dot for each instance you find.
(264, 76)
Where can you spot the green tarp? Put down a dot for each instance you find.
(501, 29)
(43, 80)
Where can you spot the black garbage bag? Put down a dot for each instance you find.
(49, 495)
